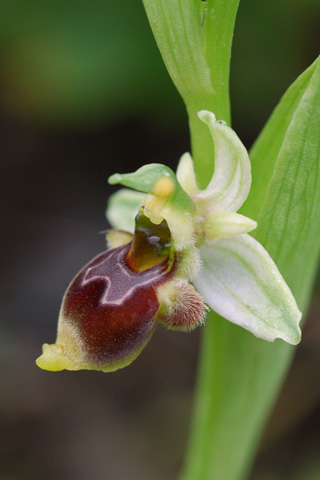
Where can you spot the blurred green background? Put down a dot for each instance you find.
(84, 93)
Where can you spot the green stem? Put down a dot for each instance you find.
(236, 389)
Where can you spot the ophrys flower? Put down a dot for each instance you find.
(182, 234)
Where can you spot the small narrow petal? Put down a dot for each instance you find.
(219, 224)
(231, 181)
(122, 208)
(186, 175)
(240, 281)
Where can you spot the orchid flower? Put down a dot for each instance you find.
(186, 249)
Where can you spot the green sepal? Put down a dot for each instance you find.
(145, 180)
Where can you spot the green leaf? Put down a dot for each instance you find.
(177, 31)
(239, 375)
(266, 149)
(195, 38)
(218, 19)
(289, 217)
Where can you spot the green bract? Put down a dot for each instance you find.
(237, 278)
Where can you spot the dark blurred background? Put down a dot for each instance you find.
(84, 93)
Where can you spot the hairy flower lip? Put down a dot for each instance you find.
(109, 311)
(115, 290)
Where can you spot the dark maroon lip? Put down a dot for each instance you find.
(121, 281)
(113, 308)
(112, 303)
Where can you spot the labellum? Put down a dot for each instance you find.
(112, 306)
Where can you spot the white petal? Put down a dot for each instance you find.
(231, 181)
(240, 281)
(185, 174)
(122, 208)
(219, 224)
